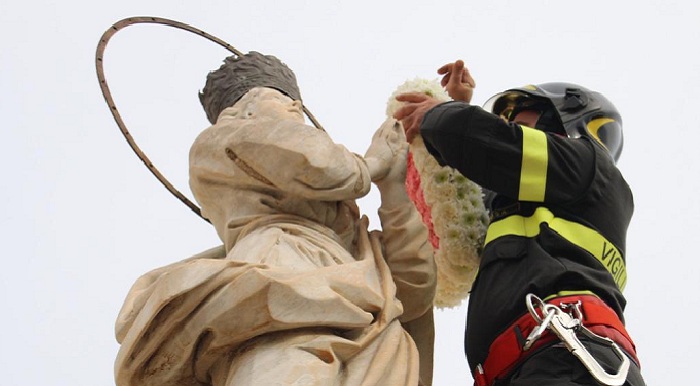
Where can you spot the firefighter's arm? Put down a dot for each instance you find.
(519, 162)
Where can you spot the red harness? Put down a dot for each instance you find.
(506, 351)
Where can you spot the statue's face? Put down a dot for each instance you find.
(273, 104)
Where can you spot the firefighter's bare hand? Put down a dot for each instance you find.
(411, 114)
(457, 81)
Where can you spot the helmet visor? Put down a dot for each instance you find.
(508, 104)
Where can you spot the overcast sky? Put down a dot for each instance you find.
(82, 218)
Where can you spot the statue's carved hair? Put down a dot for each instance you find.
(239, 74)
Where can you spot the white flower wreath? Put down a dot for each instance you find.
(451, 206)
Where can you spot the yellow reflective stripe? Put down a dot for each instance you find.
(589, 239)
(561, 294)
(533, 175)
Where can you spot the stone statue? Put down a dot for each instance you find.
(300, 293)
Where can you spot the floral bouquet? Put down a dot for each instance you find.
(451, 207)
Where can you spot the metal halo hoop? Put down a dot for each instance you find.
(116, 27)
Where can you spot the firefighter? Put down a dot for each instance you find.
(547, 306)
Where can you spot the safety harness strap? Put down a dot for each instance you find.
(507, 351)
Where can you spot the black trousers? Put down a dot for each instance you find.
(556, 366)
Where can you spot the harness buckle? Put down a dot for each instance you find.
(566, 327)
(573, 309)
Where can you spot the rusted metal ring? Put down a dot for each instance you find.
(99, 64)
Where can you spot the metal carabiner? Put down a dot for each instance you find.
(533, 302)
(566, 327)
(530, 300)
(539, 330)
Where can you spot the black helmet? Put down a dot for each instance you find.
(568, 109)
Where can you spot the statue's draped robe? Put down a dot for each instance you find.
(300, 293)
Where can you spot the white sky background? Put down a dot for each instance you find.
(82, 218)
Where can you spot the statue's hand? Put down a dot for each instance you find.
(386, 159)
(378, 167)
